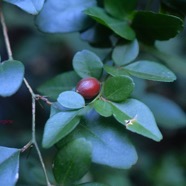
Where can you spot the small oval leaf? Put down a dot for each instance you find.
(150, 70)
(58, 126)
(72, 161)
(118, 88)
(71, 100)
(11, 77)
(87, 64)
(103, 108)
(123, 54)
(137, 117)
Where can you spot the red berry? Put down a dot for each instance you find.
(88, 87)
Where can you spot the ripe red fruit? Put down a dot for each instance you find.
(88, 87)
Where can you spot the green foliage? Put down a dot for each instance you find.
(137, 117)
(151, 71)
(32, 7)
(66, 16)
(96, 130)
(9, 165)
(125, 53)
(118, 88)
(156, 26)
(71, 100)
(87, 64)
(58, 126)
(120, 27)
(11, 77)
(120, 9)
(58, 84)
(110, 145)
(73, 161)
(103, 108)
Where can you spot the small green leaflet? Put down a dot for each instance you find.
(11, 77)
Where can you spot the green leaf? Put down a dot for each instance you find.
(123, 54)
(115, 71)
(118, 88)
(121, 28)
(167, 113)
(91, 184)
(31, 7)
(87, 64)
(72, 161)
(58, 84)
(109, 143)
(9, 166)
(64, 16)
(103, 108)
(11, 77)
(151, 71)
(150, 26)
(137, 117)
(120, 8)
(71, 100)
(58, 126)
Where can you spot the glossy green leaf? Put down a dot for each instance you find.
(109, 143)
(150, 70)
(11, 77)
(64, 16)
(58, 84)
(91, 184)
(87, 64)
(103, 108)
(120, 8)
(118, 88)
(167, 113)
(31, 7)
(9, 166)
(119, 27)
(58, 126)
(137, 117)
(72, 161)
(123, 54)
(71, 100)
(115, 71)
(150, 26)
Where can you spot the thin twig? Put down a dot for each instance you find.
(33, 141)
(28, 145)
(5, 34)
